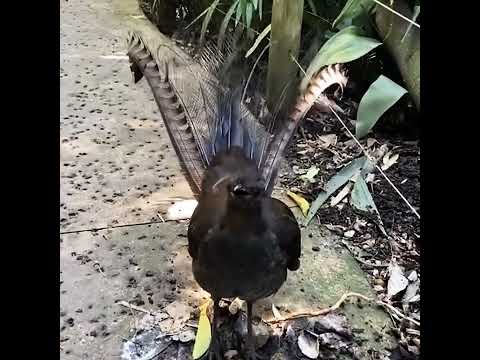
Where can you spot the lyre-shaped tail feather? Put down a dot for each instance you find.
(325, 78)
(201, 103)
(211, 90)
(171, 109)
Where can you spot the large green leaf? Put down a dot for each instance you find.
(334, 184)
(354, 9)
(207, 19)
(249, 14)
(223, 28)
(198, 17)
(380, 96)
(258, 40)
(346, 45)
(312, 6)
(362, 200)
(243, 9)
(361, 197)
(238, 13)
(416, 12)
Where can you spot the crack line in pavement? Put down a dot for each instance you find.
(111, 227)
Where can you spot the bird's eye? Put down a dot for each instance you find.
(240, 190)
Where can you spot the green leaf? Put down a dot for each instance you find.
(198, 17)
(207, 19)
(223, 28)
(260, 7)
(204, 334)
(416, 12)
(238, 14)
(312, 6)
(380, 96)
(361, 197)
(255, 4)
(243, 6)
(346, 45)
(258, 40)
(353, 9)
(249, 14)
(334, 184)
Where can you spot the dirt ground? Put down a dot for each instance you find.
(118, 172)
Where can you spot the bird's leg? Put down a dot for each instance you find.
(215, 352)
(251, 353)
(250, 335)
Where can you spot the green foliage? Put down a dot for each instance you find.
(246, 9)
(355, 12)
(259, 39)
(347, 45)
(334, 184)
(312, 6)
(380, 96)
(207, 19)
(225, 22)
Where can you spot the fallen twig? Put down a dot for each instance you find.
(133, 307)
(339, 303)
(160, 216)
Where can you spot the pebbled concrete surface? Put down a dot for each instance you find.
(118, 168)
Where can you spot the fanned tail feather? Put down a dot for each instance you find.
(201, 105)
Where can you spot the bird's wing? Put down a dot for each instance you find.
(286, 229)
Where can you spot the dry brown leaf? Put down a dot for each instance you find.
(388, 160)
(370, 142)
(397, 281)
(326, 141)
(235, 306)
(339, 229)
(179, 313)
(308, 345)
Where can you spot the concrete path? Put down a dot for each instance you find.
(118, 168)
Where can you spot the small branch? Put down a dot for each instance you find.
(320, 312)
(338, 304)
(133, 307)
(398, 312)
(161, 217)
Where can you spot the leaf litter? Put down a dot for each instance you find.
(377, 226)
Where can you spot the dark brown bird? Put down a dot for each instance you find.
(241, 240)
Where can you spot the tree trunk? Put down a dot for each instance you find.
(406, 54)
(287, 18)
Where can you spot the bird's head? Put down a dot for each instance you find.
(244, 192)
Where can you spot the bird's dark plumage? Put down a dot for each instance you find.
(241, 244)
